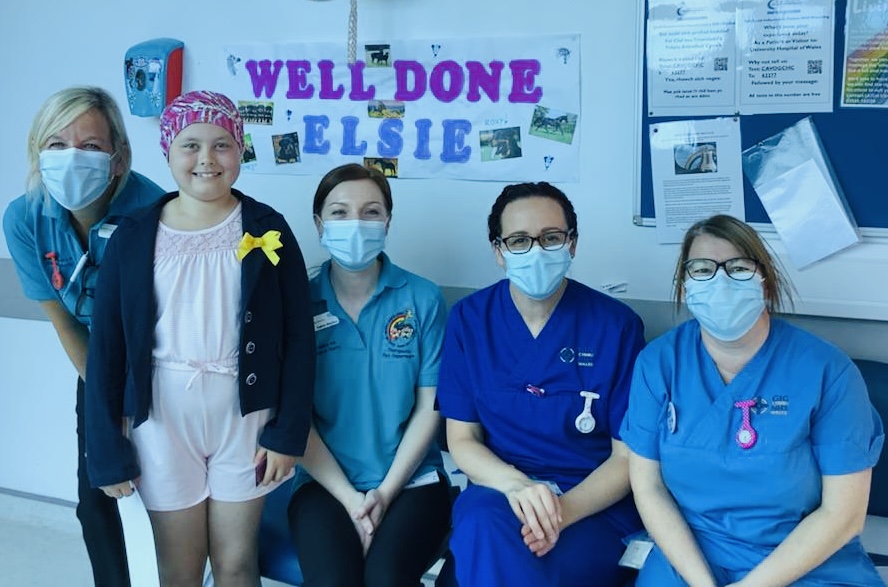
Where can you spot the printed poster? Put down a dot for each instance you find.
(697, 171)
(865, 68)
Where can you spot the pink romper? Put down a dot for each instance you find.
(195, 443)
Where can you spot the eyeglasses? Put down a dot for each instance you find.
(84, 306)
(739, 268)
(548, 241)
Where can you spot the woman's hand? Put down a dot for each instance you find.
(534, 544)
(540, 511)
(360, 509)
(373, 507)
(118, 490)
(277, 466)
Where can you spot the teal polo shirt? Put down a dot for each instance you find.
(39, 231)
(368, 372)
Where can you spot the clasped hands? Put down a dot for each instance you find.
(539, 510)
(366, 511)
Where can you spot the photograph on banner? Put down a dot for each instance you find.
(786, 56)
(691, 58)
(696, 172)
(491, 109)
(865, 69)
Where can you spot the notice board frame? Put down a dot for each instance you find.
(858, 168)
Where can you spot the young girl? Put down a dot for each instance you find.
(202, 339)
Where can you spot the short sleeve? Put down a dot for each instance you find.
(630, 343)
(647, 398)
(434, 320)
(454, 396)
(22, 243)
(846, 431)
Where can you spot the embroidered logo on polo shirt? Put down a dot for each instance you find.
(401, 328)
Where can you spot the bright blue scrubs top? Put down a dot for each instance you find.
(36, 225)
(812, 417)
(368, 372)
(525, 391)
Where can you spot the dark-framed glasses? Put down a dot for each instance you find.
(738, 268)
(551, 240)
(88, 276)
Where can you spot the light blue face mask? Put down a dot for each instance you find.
(75, 178)
(725, 308)
(538, 272)
(353, 244)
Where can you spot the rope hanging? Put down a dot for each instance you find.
(353, 31)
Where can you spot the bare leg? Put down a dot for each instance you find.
(234, 542)
(180, 538)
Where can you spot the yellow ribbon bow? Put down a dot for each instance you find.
(268, 242)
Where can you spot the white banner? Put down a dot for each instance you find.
(496, 109)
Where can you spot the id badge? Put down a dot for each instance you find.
(636, 553)
(429, 478)
(325, 320)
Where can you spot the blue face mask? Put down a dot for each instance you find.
(538, 272)
(75, 178)
(725, 308)
(354, 244)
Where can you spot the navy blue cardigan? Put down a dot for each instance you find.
(276, 359)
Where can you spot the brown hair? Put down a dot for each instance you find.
(351, 172)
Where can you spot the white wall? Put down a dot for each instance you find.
(439, 227)
(38, 442)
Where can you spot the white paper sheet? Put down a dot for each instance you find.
(696, 172)
(807, 214)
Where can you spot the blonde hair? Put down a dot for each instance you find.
(63, 108)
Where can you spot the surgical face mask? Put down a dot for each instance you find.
(538, 272)
(75, 178)
(725, 308)
(354, 244)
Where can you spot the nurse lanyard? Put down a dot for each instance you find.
(746, 435)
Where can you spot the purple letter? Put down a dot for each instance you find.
(262, 76)
(402, 68)
(299, 89)
(455, 149)
(523, 72)
(457, 79)
(479, 78)
(325, 66)
(314, 135)
(423, 125)
(358, 93)
(349, 136)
